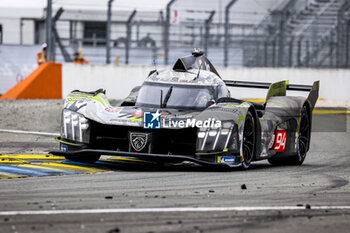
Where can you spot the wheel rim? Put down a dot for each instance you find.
(304, 135)
(248, 140)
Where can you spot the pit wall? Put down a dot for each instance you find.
(119, 80)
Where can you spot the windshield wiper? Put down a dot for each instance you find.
(166, 98)
(161, 98)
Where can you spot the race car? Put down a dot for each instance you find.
(187, 113)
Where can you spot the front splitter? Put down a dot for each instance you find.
(144, 156)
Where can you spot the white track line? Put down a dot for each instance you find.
(157, 210)
(29, 132)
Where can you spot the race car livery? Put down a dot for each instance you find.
(187, 113)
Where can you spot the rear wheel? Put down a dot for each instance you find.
(248, 140)
(303, 142)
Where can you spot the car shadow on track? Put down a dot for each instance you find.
(188, 167)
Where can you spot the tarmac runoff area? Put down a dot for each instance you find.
(44, 193)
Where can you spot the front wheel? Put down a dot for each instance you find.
(248, 140)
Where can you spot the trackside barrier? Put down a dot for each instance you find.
(119, 80)
(43, 83)
(56, 81)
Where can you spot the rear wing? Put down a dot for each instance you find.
(261, 85)
(279, 88)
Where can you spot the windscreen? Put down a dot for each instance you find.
(174, 96)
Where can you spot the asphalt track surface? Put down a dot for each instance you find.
(128, 195)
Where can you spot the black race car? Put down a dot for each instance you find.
(188, 114)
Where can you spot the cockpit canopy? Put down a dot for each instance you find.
(176, 96)
(193, 83)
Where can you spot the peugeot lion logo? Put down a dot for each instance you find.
(138, 141)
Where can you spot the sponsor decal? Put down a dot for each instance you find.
(154, 120)
(137, 114)
(226, 159)
(151, 120)
(138, 141)
(125, 122)
(272, 141)
(82, 99)
(209, 123)
(223, 109)
(64, 148)
(186, 116)
(113, 110)
(281, 140)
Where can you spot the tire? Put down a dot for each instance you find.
(303, 142)
(248, 148)
(83, 159)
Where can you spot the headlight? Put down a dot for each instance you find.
(75, 127)
(218, 139)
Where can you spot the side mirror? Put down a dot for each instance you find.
(211, 102)
(260, 113)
